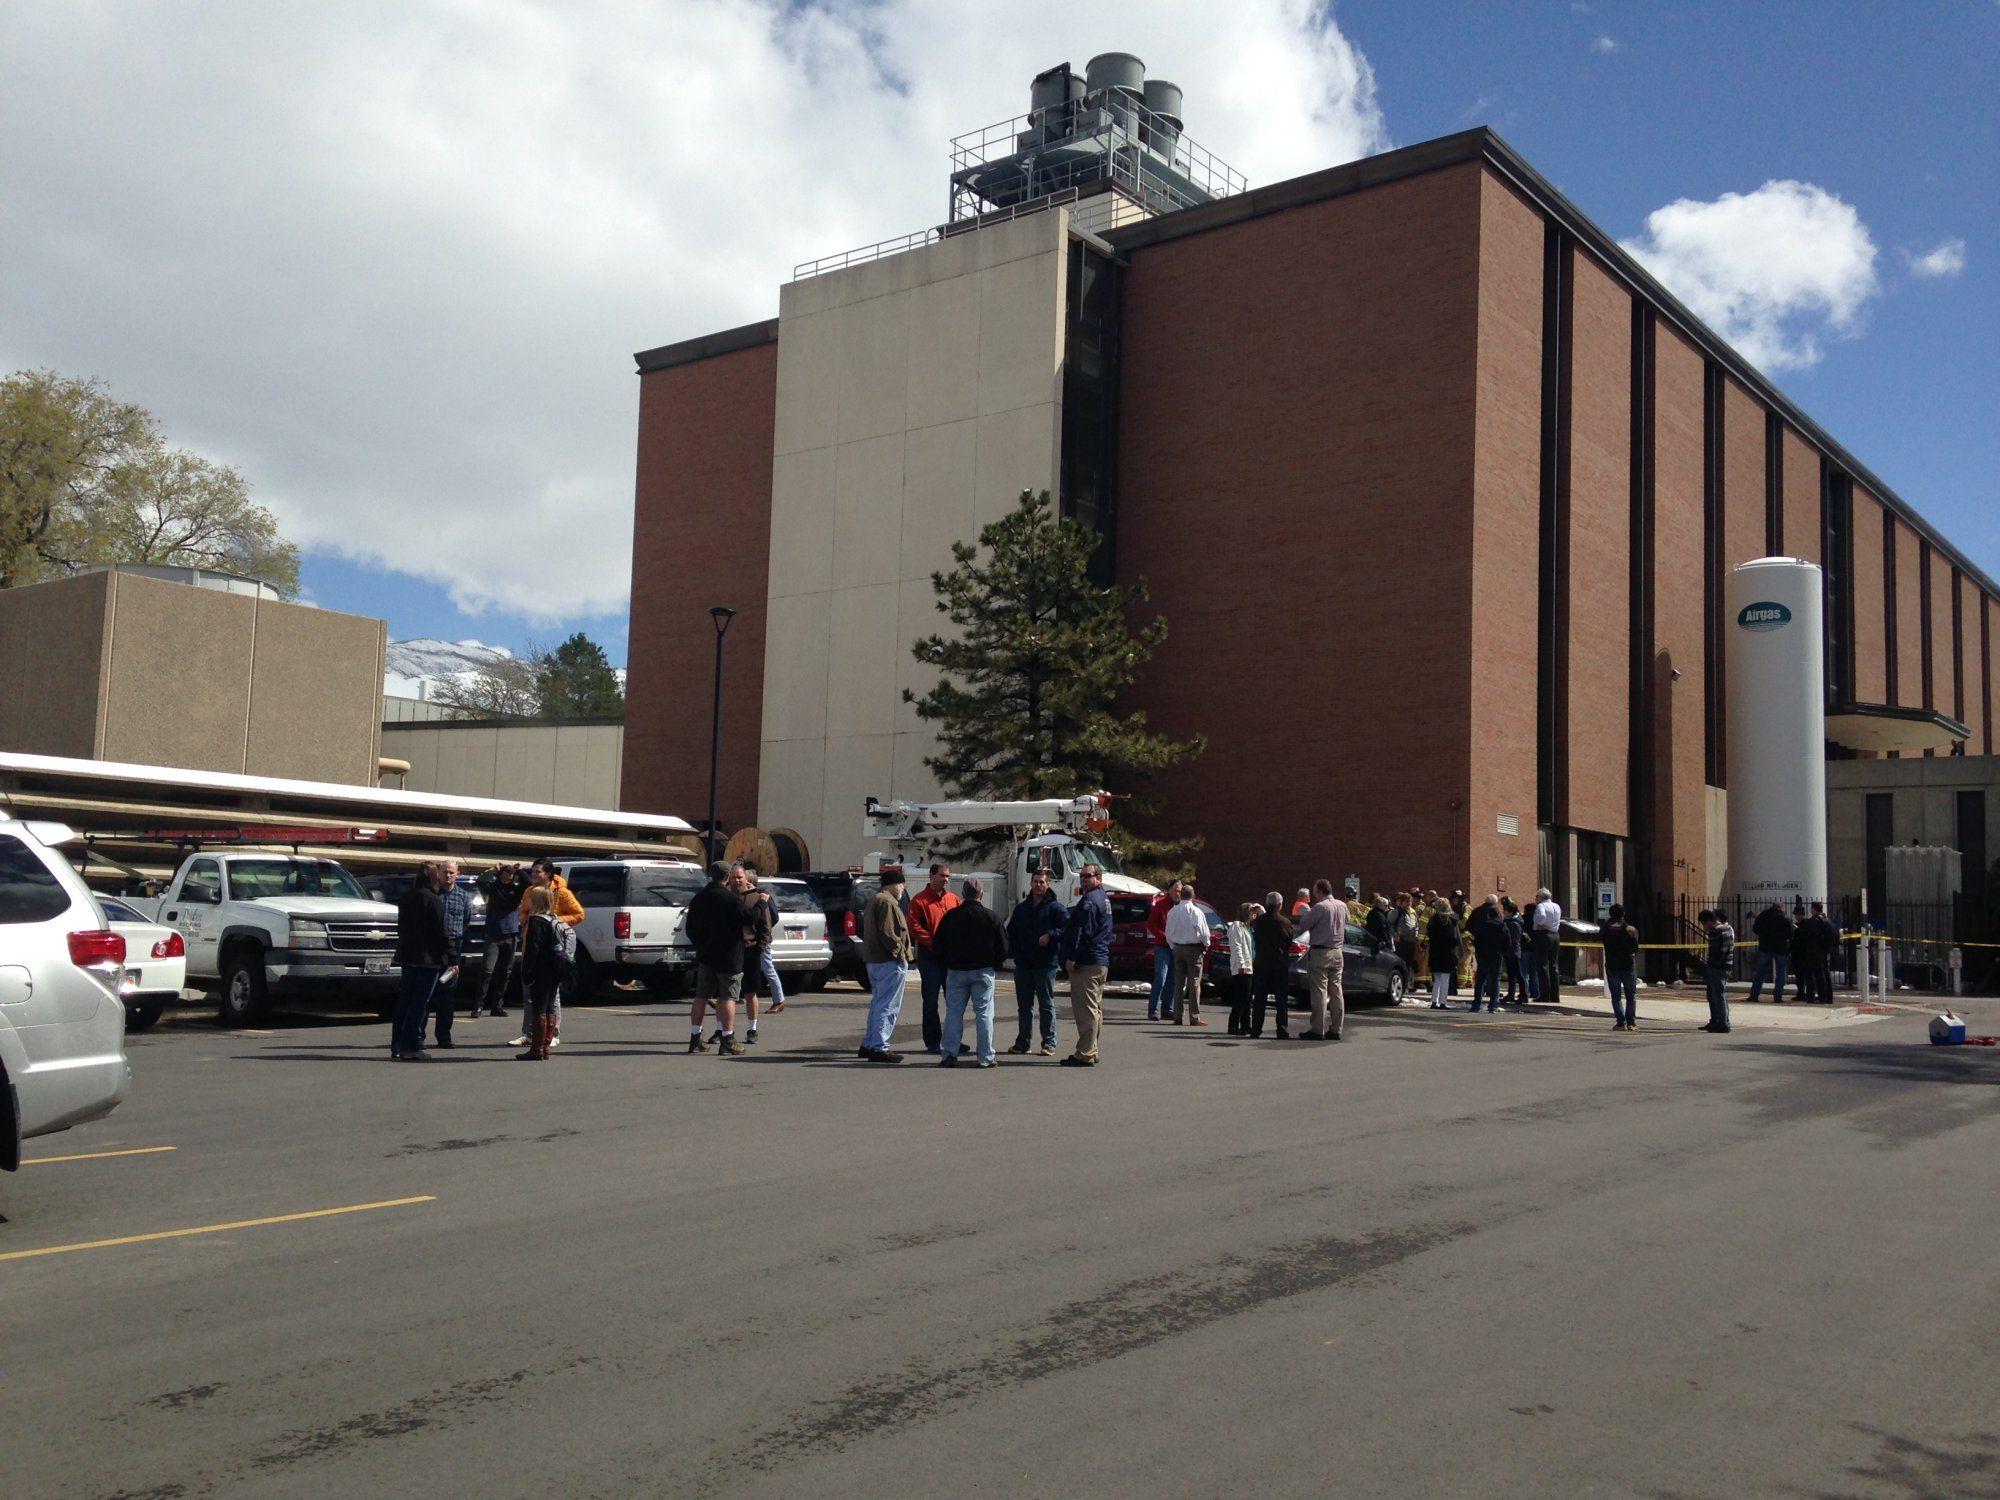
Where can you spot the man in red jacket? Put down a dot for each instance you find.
(1159, 1002)
(927, 909)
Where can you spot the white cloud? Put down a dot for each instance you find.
(1774, 271)
(1605, 44)
(392, 258)
(1946, 258)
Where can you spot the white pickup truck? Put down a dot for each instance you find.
(264, 925)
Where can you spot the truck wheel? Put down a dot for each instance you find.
(244, 996)
(139, 1017)
(665, 984)
(817, 981)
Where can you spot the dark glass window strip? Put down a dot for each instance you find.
(1552, 615)
(1890, 676)
(1712, 500)
(1774, 485)
(1090, 403)
(1639, 772)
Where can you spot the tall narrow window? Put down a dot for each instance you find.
(1879, 832)
(1889, 652)
(1774, 485)
(1090, 403)
(1924, 618)
(1972, 870)
(1837, 563)
(1552, 618)
(1713, 501)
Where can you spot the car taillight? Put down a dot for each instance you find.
(847, 927)
(1299, 946)
(170, 946)
(621, 924)
(89, 950)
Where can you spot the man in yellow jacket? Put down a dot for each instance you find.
(564, 907)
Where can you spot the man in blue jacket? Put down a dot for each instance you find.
(1086, 954)
(1034, 934)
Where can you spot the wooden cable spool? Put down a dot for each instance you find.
(776, 851)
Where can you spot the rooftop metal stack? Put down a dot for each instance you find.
(1112, 128)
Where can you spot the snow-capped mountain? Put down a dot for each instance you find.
(416, 669)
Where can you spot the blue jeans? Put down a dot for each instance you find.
(930, 975)
(1486, 983)
(444, 1005)
(1520, 980)
(1766, 964)
(1035, 990)
(413, 1008)
(1625, 982)
(772, 982)
(1161, 1001)
(1718, 999)
(885, 1003)
(976, 986)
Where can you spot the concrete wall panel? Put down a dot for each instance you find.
(316, 694)
(52, 651)
(178, 690)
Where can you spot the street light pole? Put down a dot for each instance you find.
(721, 614)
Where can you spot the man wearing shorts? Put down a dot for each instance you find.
(715, 928)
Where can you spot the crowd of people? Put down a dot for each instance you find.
(958, 945)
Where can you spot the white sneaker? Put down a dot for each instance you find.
(519, 1041)
(555, 1041)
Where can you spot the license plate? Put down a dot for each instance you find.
(795, 932)
(374, 965)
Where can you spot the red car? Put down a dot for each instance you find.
(1132, 946)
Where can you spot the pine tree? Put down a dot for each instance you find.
(576, 680)
(1026, 703)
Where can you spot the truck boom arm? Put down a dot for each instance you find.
(903, 822)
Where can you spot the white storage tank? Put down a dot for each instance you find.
(1777, 730)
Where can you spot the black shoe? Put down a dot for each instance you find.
(878, 1055)
(729, 1048)
(1312, 1036)
(1284, 1036)
(1073, 1061)
(445, 1041)
(696, 1044)
(416, 1057)
(1019, 1048)
(1334, 1036)
(750, 1039)
(496, 1011)
(949, 1060)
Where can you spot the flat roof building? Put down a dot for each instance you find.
(1436, 487)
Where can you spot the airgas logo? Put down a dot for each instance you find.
(1767, 615)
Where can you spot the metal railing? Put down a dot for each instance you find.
(883, 249)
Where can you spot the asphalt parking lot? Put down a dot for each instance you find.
(1448, 1256)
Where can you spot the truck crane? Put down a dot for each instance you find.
(1055, 834)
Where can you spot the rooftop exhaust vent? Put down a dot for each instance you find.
(1110, 131)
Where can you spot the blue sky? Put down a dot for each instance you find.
(397, 254)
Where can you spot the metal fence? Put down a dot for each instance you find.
(1922, 936)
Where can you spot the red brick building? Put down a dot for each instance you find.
(1436, 487)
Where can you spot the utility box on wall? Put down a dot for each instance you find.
(122, 666)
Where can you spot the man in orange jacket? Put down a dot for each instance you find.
(564, 907)
(927, 909)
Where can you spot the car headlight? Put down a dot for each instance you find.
(306, 933)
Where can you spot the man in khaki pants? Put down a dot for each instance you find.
(1323, 926)
(1086, 955)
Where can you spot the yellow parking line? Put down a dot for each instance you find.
(174, 1234)
(43, 1161)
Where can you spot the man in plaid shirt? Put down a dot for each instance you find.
(457, 917)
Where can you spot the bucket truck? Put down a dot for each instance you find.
(1060, 835)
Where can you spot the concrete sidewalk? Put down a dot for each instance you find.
(1665, 1006)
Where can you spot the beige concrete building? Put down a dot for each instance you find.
(1947, 801)
(575, 762)
(918, 395)
(124, 665)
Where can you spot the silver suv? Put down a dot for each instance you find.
(62, 1025)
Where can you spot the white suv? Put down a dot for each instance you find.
(634, 921)
(62, 1025)
(799, 945)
